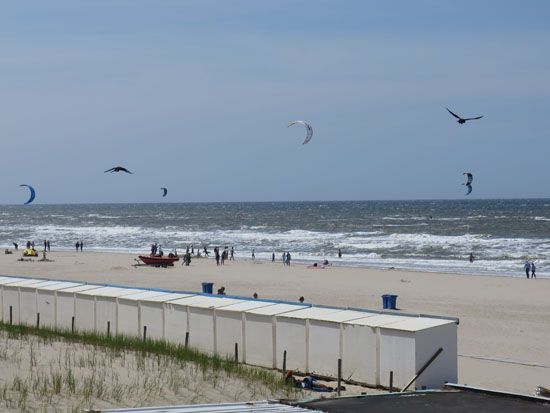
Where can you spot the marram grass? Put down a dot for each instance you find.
(206, 362)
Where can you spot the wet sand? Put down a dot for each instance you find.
(504, 331)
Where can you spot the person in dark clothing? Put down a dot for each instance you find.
(48, 245)
(28, 244)
(81, 245)
(16, 246)
(232, 257)
(339, 253)
(273, 257)
(77, 245)
(45, 245)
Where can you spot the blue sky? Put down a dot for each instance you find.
(196, 96)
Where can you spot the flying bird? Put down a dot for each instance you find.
(468, 183)
(118, 169)
(164, 192)
(462, 120)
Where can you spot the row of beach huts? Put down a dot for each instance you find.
(372, 345)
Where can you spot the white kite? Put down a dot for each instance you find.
(309, 129)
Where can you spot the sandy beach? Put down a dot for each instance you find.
(503, 337)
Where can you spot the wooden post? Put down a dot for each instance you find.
(144, 333)
(236, 352)
(186, 339)
(108, 329)
(339, 375)
(424, 367)
(11, 315)
(72, 324)
(391, 381)
(37, 320)
(284, 362)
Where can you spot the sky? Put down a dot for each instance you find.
(196, 96)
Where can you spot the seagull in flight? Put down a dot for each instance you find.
(118, 169)
(462, 120)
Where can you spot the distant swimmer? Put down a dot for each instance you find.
(462, 120)
(118, 169)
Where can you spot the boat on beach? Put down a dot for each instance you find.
(159, 261)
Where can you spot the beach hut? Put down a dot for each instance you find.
(325, 340)
(361, 347)
(230, 327)
(128, 314)
(293, 336)
(163, 322)
(65, 305)
(200, 318)
(96, 309)
(46, 301)
(28, 302)
(260, 338)
(405, 347)
(11, 299)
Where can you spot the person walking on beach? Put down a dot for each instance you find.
(527, 268)
(48, 245)
(273, 257)
(81, 245)
(217, 255)
(232, 257)
(533, 269)
(284, 258)
(288, 258)
(339, 253)
(45, 245)
(253, 254)
(77, 245)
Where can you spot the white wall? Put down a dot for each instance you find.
(128, 318)
(445, 366)
(65, 310)
(45, 300)
(11, 298)
(359, 357)
(27, 306)
(152, 316)
(259, 340)
(229, 330)
(84, 313)
(175, 323)
(397, 354)
(201, 329)
(291, 336)
(324, 347)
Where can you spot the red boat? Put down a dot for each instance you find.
(159, 261)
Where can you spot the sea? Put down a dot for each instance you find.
(425, 235)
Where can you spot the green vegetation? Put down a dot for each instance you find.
(206, 362)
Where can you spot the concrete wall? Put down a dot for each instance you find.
(359, 353)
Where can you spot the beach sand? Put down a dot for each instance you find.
(504, 331)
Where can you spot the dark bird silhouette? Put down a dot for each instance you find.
(118, 169)
(462, 120)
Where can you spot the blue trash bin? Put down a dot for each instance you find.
(207, 288)
(389, 302)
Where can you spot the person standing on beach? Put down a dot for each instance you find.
(253, 254)
(81, 245)
(48, 245)
(77, 245)
(284, 258)
(273, 257)
(339, 253)
(288, 258)
(217, 255)
(533, 269)
(527, 268)
(232, 257)
(45, 245)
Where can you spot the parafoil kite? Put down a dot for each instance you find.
(33, 194)
(468, 183)
(164, 192)
(309, 129)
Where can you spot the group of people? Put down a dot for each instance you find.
(79, 245)
(530, 267)
(224, 256)
(286, 257)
